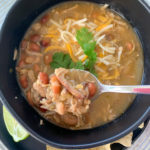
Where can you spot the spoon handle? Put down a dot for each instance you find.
(138, 89)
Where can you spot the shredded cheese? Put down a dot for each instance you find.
(71, 53)
(50, 35)
(103, 25)
(55, 23)
(108, 49)
(103, 30)
(100, 38)
(79, 51)
(80, 22)
(120, 53)
(99, 69)
(49, 48)
(84, 58)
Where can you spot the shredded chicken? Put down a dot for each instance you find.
(70, 99)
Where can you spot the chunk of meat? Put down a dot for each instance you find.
(34, 47)
(92, 89)
(70, 119)
(48, 59)
(23, 81)
(43, 77)
(60, 108)
(60, 74)
(40, 89)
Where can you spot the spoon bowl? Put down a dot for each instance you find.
(85, 76)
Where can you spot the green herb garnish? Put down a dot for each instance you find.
(63, 60)
(87, 43)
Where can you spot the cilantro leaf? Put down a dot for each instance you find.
(85, 39)
(63, 60)
(79, 65)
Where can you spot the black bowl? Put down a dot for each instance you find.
(16, 23)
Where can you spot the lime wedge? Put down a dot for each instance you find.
(14, 128)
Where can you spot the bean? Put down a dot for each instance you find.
(45, 42)
(92, 89)
(44, 19)
(60, 108)
(54, 79)
(21, 63)
(43, 77)
(36, 26)
(56, 87)
(35, 38)
(34, 47)
(31, 76)
(23, 81)
(32, 59)
(29, 98)
(24, 44)
(129, 45)
(36, 68)
(48, 59)
(69, 119)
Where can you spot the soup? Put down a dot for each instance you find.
(70, 36)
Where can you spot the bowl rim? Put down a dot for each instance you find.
(44, 140)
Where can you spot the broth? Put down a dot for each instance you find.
(118, 49)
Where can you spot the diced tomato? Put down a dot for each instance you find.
(43, 77)
(92, 89)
